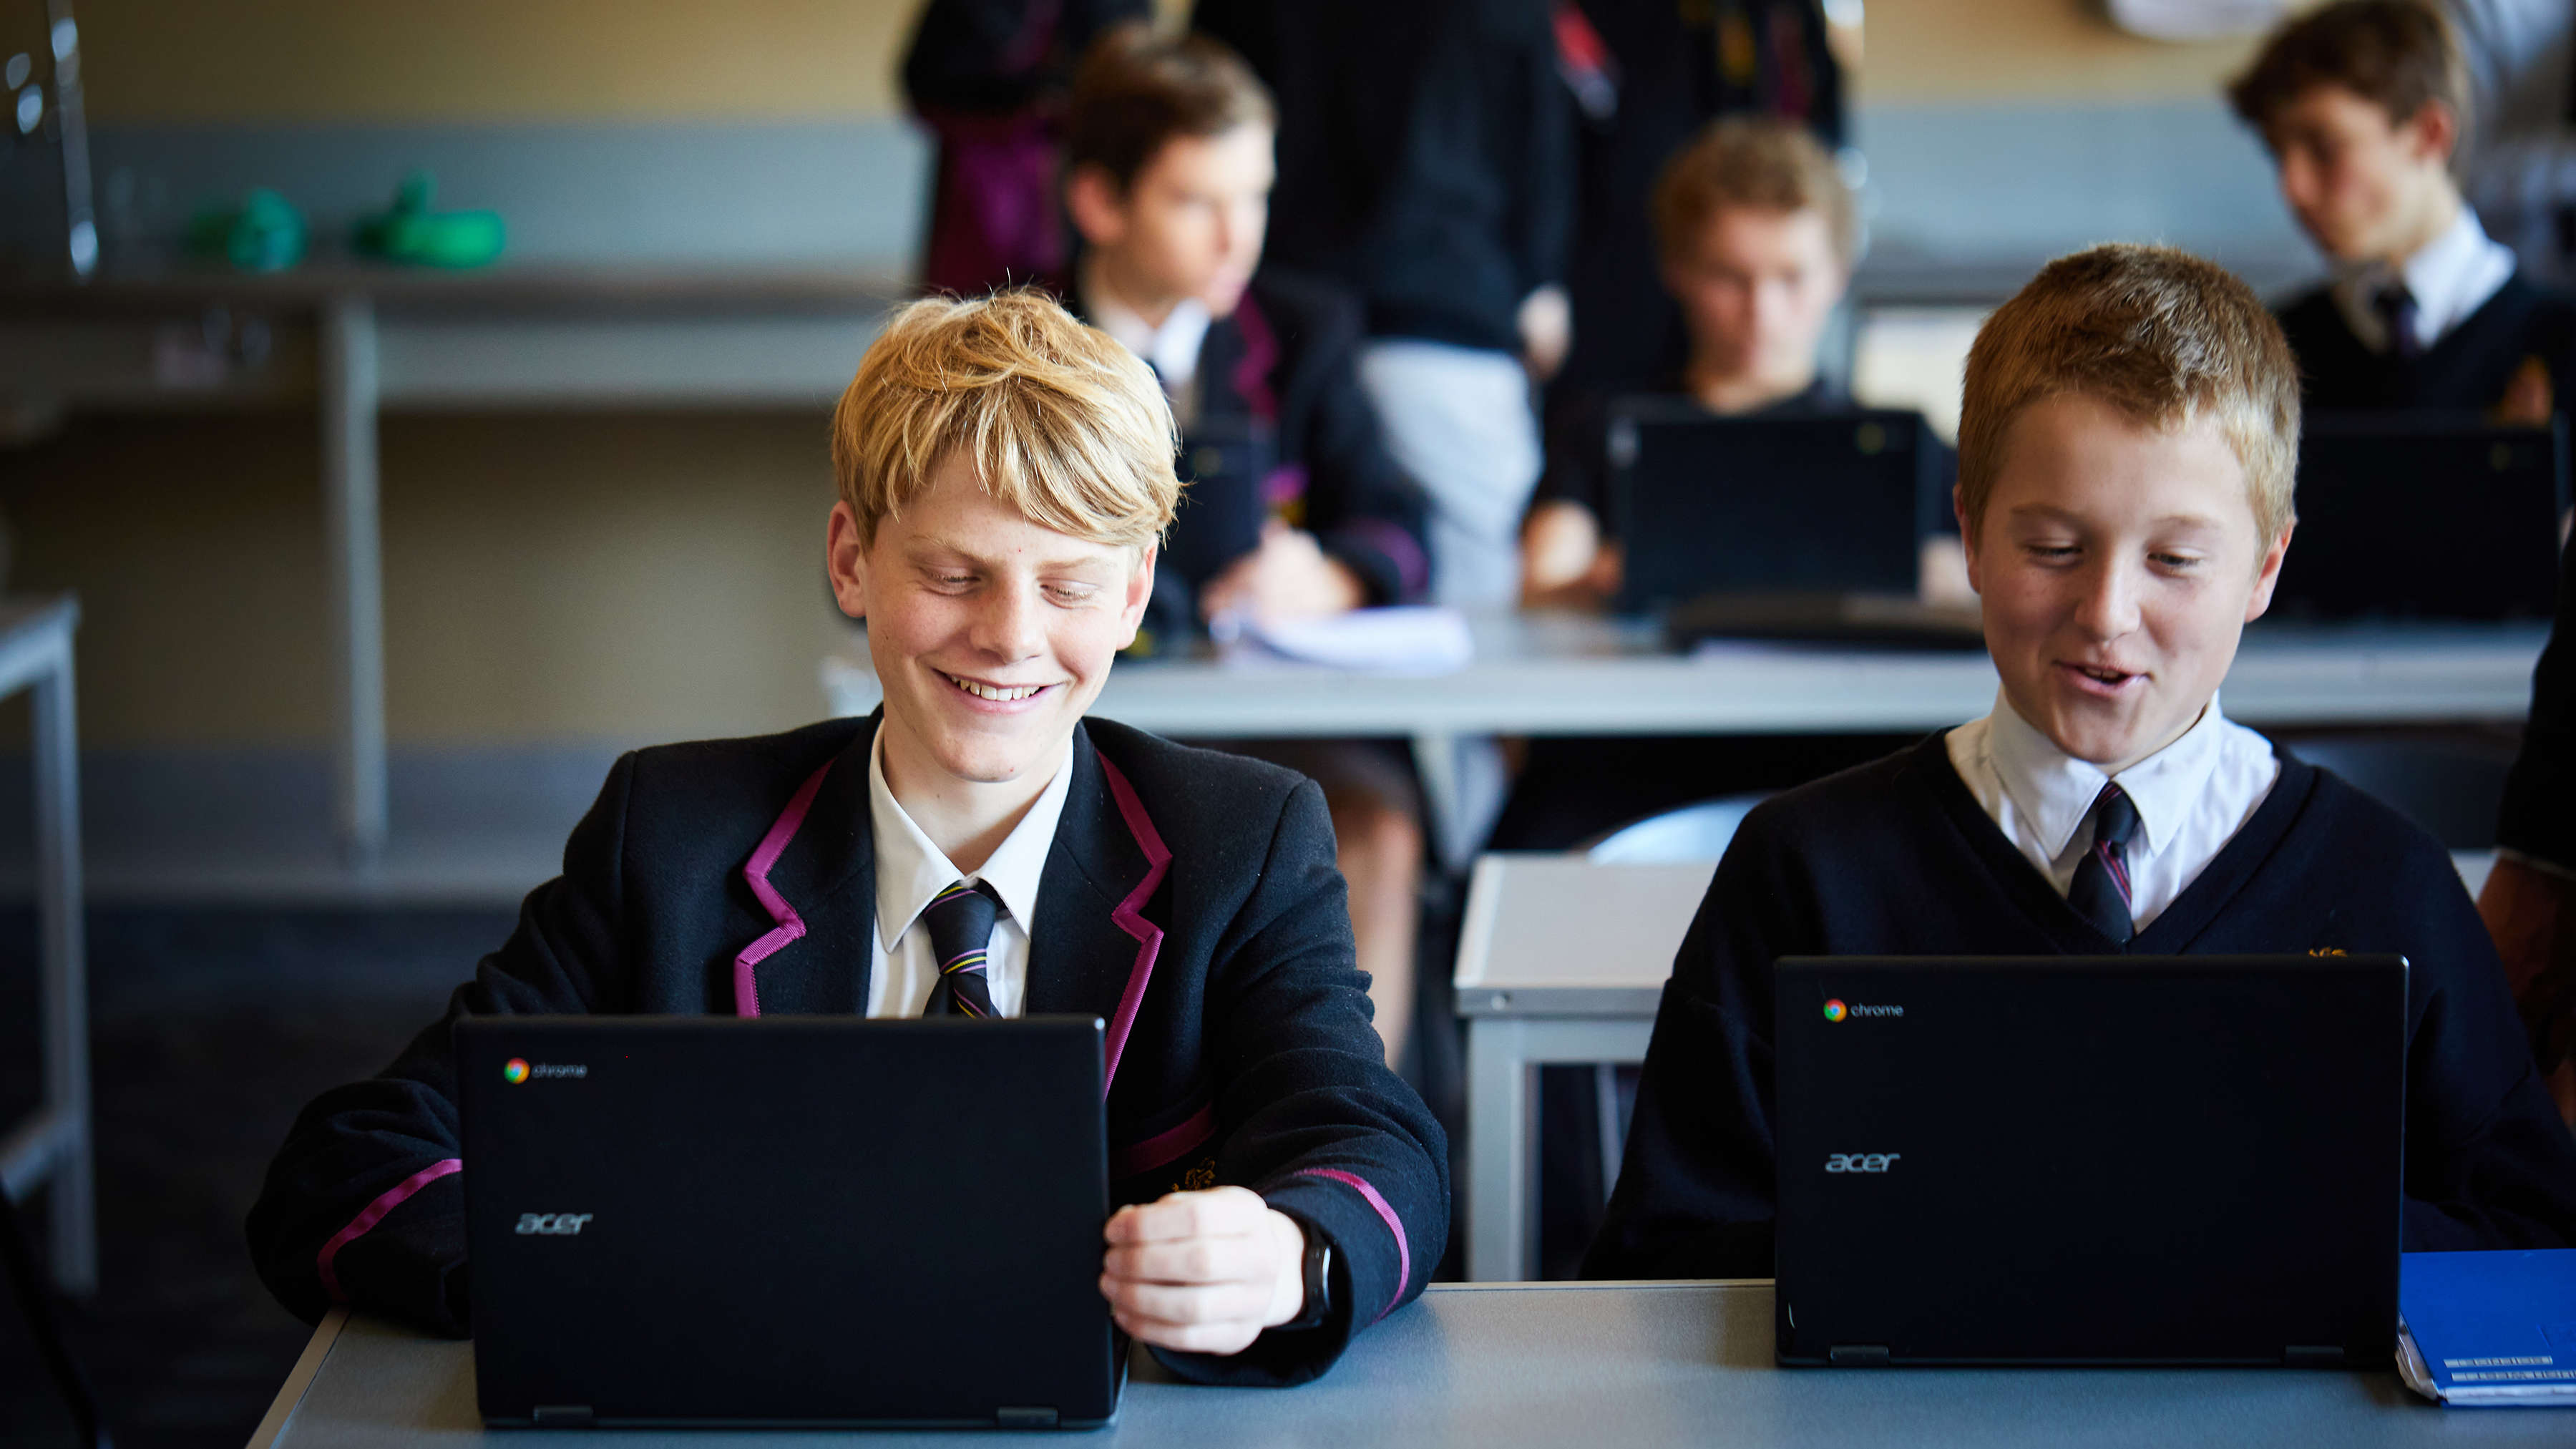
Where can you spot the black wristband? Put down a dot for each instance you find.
(1317, 1270)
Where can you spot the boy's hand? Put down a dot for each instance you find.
(1288, 577)
(1203, 1272)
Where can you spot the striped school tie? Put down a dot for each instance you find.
(2100, 892)
(961, 930)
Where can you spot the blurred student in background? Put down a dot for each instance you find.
(1425, 156)
(1647, 76)
(1755, 232)
(2364, 105)
(1294, 508)
(988, 77)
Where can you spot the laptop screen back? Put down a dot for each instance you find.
(797, 1220)
(1817, 503)
(2424, 516)
(2090, 1159)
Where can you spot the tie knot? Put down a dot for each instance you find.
(966, 909)
(2115, 818)
(2396, 306)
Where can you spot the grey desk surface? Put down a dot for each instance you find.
(1547, 1364)
(1562, 674)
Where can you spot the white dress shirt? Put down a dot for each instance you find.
(2192, 797)
(910, 870)
(2450, 277)
(1172, 348)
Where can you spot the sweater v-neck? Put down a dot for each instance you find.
(2200, 902)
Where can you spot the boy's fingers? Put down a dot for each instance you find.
(1218, 1338)
(1186, 1260)
(1178, 1304)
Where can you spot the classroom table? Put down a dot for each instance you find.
(356, 339)
(54, 1146)
(1632, 1364)
(1565, 674)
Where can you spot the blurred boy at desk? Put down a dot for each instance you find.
(1756, 232)
(2129, 428)
(2364, 105)
(1294, 508)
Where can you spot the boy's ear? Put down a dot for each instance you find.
(1967, 535)
(2433, 133)
(1098, 206)
(1140, 591)
(2268, 575)
(845, 559)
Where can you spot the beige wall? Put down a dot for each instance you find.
(1979, 52)
(618, 577)
(494, 60)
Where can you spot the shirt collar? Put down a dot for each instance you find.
(910, 869)
(2449, 277)
(1172, 348)
(2055, 791)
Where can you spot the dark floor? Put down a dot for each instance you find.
(210, 1028)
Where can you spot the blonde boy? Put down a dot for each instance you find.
(2126, 444)
(1005, 473)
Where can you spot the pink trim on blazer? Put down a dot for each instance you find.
(1394, 1224)
(1166, 1146)
(791, 926)
(1149, 937)
(374, 1213)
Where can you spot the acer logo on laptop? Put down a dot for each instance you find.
(1838, 1162)
(554, 1225)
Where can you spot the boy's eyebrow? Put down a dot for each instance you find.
(2064, 515)
(920, 548)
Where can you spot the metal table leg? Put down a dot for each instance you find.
(351, 531)
(74, 1217)
(1503, 1053)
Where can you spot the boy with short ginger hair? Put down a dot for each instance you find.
(1005, 473)
(2128, 424)
(2364, 105)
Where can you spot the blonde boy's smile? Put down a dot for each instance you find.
(2117, 564)
(991, 634)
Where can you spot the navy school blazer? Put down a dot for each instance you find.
(1190, 901)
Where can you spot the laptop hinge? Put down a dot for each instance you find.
(563, 1416)
(2308, 1355)
(1025, 1418)
(1857, 1355)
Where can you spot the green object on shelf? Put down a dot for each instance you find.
(414, 234)
(263, 234)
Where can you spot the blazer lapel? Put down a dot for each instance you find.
(1095, 951)
(814, 877)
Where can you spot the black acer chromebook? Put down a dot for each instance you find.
(2090, 1160)
(1779, 505)
(794, 1222)
(2424, 516)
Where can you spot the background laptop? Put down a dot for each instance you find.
(2187, 1159)
(1782, 504)
(2430, 516)
(822, 1221)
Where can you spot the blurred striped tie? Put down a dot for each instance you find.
(961, 930)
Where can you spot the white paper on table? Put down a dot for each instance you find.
(1415, 639)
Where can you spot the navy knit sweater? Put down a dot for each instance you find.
(1896, 858)
(2467, 368)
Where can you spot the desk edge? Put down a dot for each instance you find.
(307, 1368)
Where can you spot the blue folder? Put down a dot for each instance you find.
(2489, 1329)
